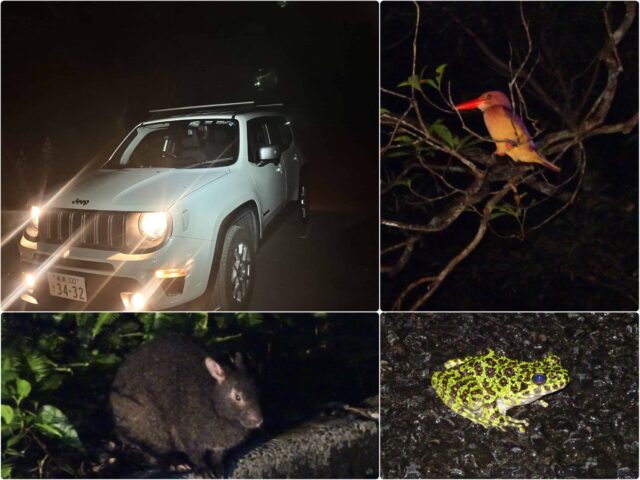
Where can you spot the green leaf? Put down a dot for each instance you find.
(444, 133)
(49, 430)
(497, 215)
(413, 81)
(404, 139)
(7, 413)
(15, 439)
(5, 470)
(249, 319)
(54, 422)
(201, 324)
(102, 320)
(440, 73)
(397, 153)
(107, 359)
(383, 111)
(432, 83)
(24, 388)
(39, 364)
(52, 382)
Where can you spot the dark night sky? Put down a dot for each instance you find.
(85, 73)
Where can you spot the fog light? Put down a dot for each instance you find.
(28, 298)
(133, 301)
(30, 280)
(171, 273)
(35, 215)
(137, 301)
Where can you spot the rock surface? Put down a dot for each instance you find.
(343, 446)
(325, 447)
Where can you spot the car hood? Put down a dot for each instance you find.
(132, 189)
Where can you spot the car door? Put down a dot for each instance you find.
(268, 178)
(281, 131)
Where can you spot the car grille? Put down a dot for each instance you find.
(89, 229)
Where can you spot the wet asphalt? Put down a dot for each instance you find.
(589, 430)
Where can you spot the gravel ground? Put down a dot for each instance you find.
(590, 429)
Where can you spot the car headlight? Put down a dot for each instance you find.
(35, 215)
(153, 225)
(147, 230)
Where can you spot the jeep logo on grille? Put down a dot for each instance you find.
(77, 201)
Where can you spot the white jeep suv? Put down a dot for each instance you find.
(176, 212)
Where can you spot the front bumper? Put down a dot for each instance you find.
(109, 275)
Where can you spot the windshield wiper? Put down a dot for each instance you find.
(209, 162)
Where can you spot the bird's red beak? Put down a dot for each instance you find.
(471, 104)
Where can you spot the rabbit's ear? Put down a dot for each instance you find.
(215, 369)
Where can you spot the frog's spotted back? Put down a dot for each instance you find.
(482, 388)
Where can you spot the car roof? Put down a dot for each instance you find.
(215, 115)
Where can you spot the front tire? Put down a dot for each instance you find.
(234, 282)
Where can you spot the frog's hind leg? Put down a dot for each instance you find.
(454, 362)
(503, 422)
(494, 418)
(474, 416)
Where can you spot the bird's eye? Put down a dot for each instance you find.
(238, 397)
(488, 96)
(539, 378)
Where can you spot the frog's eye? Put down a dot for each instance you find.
(539, 378)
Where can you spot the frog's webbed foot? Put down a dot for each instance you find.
(543, 404)
(505, 421)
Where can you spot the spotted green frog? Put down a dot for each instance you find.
(482, 388)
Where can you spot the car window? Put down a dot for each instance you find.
(179, 144)
(259, 136)
(285, 137)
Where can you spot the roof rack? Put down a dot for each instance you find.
(197, 107)
(234, 107)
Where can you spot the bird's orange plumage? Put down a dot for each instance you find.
(507, 129)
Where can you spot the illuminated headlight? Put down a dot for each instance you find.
(147, 231)
(35, 215)
(30, 280)
(153, 225)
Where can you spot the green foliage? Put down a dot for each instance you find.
(52, 365)
(413, 81)
(416, 81)
(441, 130)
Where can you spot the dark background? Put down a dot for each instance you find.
(305, 365)
(77, 77)
(589, 430)
(585, 259)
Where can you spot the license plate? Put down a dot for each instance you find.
(67, 286)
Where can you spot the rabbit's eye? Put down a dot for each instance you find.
(238, 397)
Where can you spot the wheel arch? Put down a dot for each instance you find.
(244, 215)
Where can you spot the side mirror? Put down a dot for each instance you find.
(269, 155)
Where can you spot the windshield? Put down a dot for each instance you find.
(179, 144)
